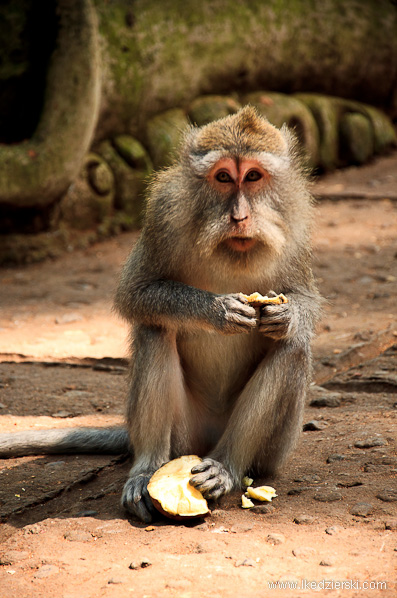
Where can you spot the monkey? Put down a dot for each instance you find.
(210, 374)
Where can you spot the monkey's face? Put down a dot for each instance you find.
(241, 220)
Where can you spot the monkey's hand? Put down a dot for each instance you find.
(136, 499)
(211, 478)
(234, 314)
(278, 321)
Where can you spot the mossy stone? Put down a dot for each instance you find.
(206, 109)
(37, 171)
(164, 133)
(356, 139)
(383, 129)
(89, 201)
(282, 109)
(130, 183)
(133, 152)
(326, 116)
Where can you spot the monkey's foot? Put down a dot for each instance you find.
(136, 499)
(211, 478)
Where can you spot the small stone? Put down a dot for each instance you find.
(275, 539)
(62, 414)
(326, 563)
(370, 442)
(295, 491)
(245, 563)
(335, 457)
(114, 581)
(327, 401)
(311, 477)
(142, 564)
(78, 536)
(333, 529)
(361, 509)
(303, 552)
(303, 519)
(239, 528)
(328, 496)
(46, 571)
(388, 495)
(263, 509)
(13, 556)
(350, 484)
(87, 513)
(2, 406)
(314, 426)
(370, 468)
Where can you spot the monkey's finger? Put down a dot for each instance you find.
(217, 491)
(236, 305)
(136, 499)
(202, 466)
(276, 311)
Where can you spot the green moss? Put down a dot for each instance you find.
(356, 139)
(164, 133)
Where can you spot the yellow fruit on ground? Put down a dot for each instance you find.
(261, 493)
(171, 492)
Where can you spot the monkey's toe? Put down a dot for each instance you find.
(211, 478)
(136, 499)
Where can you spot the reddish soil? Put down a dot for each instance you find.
(332, 527)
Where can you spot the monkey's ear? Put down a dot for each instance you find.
(289, 137)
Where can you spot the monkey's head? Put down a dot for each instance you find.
(249, 195)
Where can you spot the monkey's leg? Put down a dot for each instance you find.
(264, 425)
(156, 406)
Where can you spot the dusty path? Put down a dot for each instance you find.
(334, 520)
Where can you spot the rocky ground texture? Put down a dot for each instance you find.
(332, 527)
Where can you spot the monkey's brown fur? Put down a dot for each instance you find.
(208, 375)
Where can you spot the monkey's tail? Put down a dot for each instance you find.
(64, 440)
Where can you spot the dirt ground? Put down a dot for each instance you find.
(332, 527)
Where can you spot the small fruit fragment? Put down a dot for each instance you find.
(171, 492)
(246, 503)
(247, 481)
(256, 299)
(262, 493)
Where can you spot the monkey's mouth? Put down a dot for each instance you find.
(240, 243)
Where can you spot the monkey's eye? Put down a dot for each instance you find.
(253, 175)
(224, 177)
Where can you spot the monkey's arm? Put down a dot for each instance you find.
(162, 302)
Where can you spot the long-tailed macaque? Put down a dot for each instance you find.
(210, 375)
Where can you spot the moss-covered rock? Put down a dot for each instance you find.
(326, 116)
(133, 152)
(206, 109)
(89, 200)
(130, 182)
(164, 133)
(356, 139)
(37, 171)
(281, 109)
(332, 117)
(158, 55)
